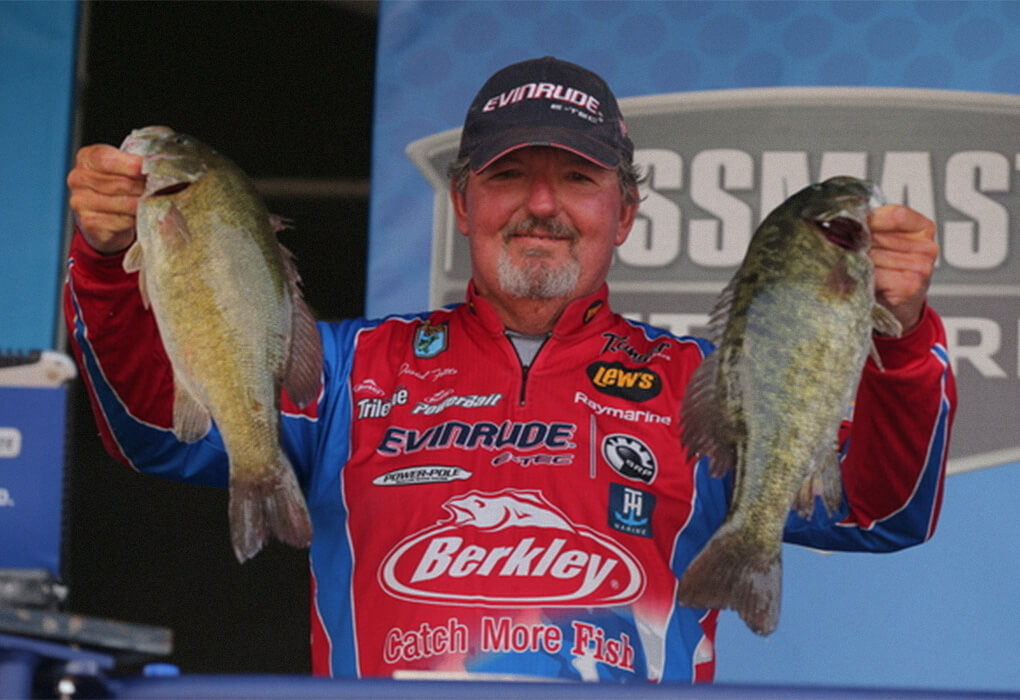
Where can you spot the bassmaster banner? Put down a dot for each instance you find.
(732, 107)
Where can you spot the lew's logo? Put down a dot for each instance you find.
(510, 549)
(615, 379)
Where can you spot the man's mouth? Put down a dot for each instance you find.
(550, 230)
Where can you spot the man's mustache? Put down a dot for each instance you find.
(544, 226)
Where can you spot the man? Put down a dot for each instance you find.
(500, 487)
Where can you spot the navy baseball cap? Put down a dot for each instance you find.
(545, 102)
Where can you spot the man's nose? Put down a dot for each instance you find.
(542, 199)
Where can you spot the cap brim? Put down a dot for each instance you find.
(485, 154)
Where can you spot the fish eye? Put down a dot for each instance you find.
(181, 140)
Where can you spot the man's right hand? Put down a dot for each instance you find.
(105, 185)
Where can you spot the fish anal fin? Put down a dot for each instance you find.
(260, 509)
(824, 481)
(728, 574)
(192, 420)
(302, 375)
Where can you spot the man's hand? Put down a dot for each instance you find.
(904, 251)
(105, 185)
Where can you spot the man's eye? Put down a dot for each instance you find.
(507, 174)
(578, 176)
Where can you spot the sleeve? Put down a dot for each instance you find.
(894, 449)
(126, 372)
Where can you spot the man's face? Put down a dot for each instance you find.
(542, 224)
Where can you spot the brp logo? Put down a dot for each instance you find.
(629, 457)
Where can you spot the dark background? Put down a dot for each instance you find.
(285, 90)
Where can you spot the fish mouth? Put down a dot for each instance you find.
(843, 232)
(171, 189)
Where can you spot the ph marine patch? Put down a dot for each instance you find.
(630, 510)
(430, 339)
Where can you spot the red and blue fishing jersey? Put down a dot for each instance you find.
(474, 515)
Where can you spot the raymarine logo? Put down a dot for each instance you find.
(510, 549)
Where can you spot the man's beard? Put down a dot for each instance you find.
(533, 277)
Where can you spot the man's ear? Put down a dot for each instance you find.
(459, 201)
(628, 212)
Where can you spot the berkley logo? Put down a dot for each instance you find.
(510, 549)
(615, 379)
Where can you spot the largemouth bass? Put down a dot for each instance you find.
(227, 301)
(793, 331)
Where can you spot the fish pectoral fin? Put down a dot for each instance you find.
(883, 321)
(280, 223)
(134, 261)
(134, 258)
(302, 377)
(824, 480)
(173, 226)
(191, 419)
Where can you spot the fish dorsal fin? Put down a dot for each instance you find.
(304, 362)
(134, 261)
(707, 426)
(191, 419)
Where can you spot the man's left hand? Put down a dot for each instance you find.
(904, 251)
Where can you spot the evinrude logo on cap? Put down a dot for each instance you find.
(547, 91)
(510, 549)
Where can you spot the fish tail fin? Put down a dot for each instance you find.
(271, 508)
(729, 574)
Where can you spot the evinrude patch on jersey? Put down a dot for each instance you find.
(533, 435)
(616, 379)
(629, 457)
(430, 339)
(630, 510)
(425, 474)
(510, 549)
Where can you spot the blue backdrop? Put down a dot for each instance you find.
(37, 49)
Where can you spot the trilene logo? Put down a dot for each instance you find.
(510, 548)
